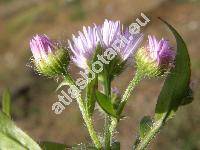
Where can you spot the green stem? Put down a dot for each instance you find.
(107, 134)
(152, 133)
(86, 117)
(89, 124)
(113, 125)
(146, 140)
(137, 78)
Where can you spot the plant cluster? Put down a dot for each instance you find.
(102, 52)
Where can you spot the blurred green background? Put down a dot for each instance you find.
(34, 95)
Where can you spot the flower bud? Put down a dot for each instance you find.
(50, 59)
(155, 58)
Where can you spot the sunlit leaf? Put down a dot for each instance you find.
(11, 137)
(53, 146)
(6, 102)
(83, 146)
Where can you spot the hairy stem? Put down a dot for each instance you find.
(86, 117)
(89, 124)
(137, 78)
(113, 125)
(107, 134)
(146, 140)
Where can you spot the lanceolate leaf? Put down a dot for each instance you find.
(176, 85)
(91, 97)
(53, 146)
(106, 104)
(6, 102)
(11, 137)
(175, 92)
(83, 146)
(92, 86)
(8, 143)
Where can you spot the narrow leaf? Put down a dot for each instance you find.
(11, 137)
(176, 84)
(83, 146)
(106, 104)
(6, 102)
(91, 97)
(8, 143)
(174, 91)
(93, 85)
(53, 146)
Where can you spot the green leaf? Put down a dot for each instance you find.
(8, 143)
(46, 145)
(92, 86)
(177, 82)
(188, 98)
(145, 126)
(53, 146)
(91, 97)
(174, 93)
(6, 102)
(83, 146)
(11, 137)
(106, 104)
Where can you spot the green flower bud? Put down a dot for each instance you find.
(155, 58)
(50, 59)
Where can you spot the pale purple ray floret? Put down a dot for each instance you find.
(41, 46)
(111, 32)
(160, 51)
(132, 44)
(83, 46)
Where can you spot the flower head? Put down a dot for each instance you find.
(50, 58)
(113, 35)
(41, 46)
(109, 32)
(156, 57)
(161, 51)
(85, 44)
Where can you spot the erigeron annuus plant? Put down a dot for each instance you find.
(154, 59)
